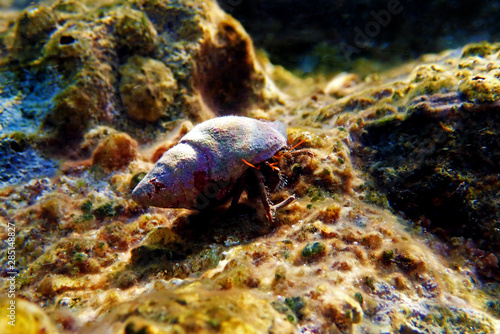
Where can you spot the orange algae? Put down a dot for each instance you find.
(116, 151)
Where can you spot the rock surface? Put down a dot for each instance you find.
(395, 225)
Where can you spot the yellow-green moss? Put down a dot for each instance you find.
(480, 88)
(32, 30)
(481, 49)
(69, 6)
(135, 33)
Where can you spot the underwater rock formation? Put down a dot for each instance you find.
(439, 164)
(394, 228)
(195, 309)
(71, 66)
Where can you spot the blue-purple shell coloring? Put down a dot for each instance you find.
(207, 161)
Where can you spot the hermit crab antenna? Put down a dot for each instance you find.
(251, 165)
(295, 146)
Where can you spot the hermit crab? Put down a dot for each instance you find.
(212, 164)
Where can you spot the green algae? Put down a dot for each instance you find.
(109, 209)
(358, 297)
(316, 193)
(291, 307)
(82, 45)
(87, 206)
(296, 304)
(136, 179)
(313, 250)
(387, 256)
(369, 282)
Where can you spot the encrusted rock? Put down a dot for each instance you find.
(115, 152)
(480, 88)
(147, 88)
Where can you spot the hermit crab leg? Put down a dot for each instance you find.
(283, 203)
(238, 190)
(263, 193)
(270, 209)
